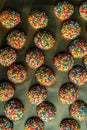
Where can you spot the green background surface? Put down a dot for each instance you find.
(24, 7)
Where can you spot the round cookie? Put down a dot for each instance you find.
(37, 94)
(16, 39)
(78, 110)
(63, 61)
(46, 111)
(78, 75)
(45, 76)
(44, 40)
(34, 123)
(17, 73)
(68, 93)
(5, 123)
(9, 18)
(83, 10)
(14, 109)
(7, 91)
(63, 10)
(38, 19)
(70, 29)
(34, 58)
(85, 61)
(78, 48)
(69, 124)
(7, 56)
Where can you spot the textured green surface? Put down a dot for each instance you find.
(54, 26)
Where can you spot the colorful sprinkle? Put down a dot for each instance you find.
(70, 29)
(34, 58)
(45, 76)
(63, 10)
(83, 10)
(16, 39)
(44, 40)
(7, 56)
(37, 94)
(78, 75)
(9, 18)
(5, 123)
(78, 48)
(85, 61)
(69, 124)
(38, 19)
(14, 109)
(78, 110)
(17, 73)
(68, 93)
(63, 61)
(34, 123)
(46, 111)
(7, 91)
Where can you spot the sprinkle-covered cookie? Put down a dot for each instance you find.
(63, 61)
(7, 91)
(38, 19)
(14, 109)
(69, 124)
(78, 75)
(17, 73)
(9, 18)
(7, 56)
(34, 123)
(5, 123)
(46, 111)
(78, 48)
(63, 10)
(78, 110)
(45, 76)
(34, 58)
(70, 29)
(68, 93)
(16, 39)
(37, 94)
(44, 40)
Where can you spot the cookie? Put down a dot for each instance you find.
(46, 111)
(45, 76)
(70, 29)
(14, 109)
